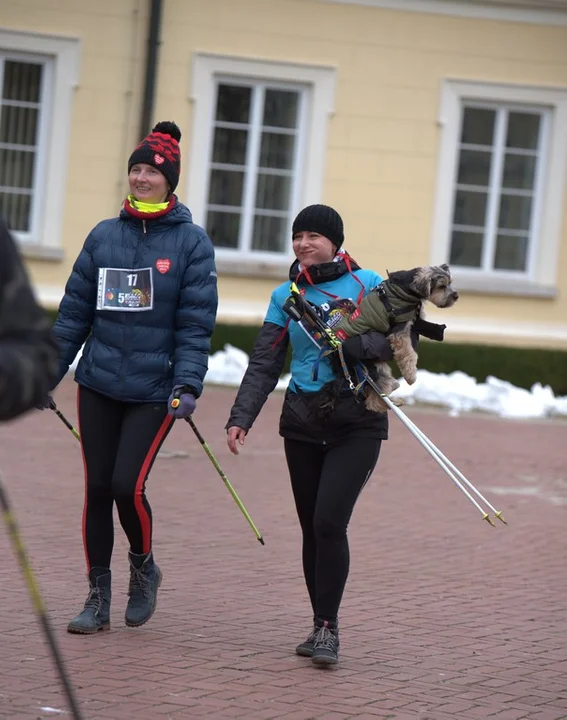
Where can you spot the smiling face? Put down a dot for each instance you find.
(147, 184)
(310, 248)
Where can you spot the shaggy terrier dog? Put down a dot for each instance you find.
(392, 308)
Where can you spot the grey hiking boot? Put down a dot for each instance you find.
(96, 613)
(305, 649)
(326, 645)
(145, 579)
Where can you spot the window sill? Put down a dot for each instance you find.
(254, 268)
(504, 286)
(40, 252)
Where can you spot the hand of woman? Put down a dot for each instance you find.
(235, 435)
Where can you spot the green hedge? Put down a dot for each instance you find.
(521, 367)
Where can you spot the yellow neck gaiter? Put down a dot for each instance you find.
(147, 207)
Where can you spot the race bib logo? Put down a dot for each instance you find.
(163, 265)
(336, 310)
(331, 313)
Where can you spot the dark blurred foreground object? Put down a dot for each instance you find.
(28, 351)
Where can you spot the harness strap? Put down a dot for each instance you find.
(305, 273)
(393, 313)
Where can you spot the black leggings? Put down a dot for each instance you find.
(326, 482)
(120, 442)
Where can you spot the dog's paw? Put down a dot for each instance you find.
(410, 376)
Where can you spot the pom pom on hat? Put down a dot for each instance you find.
(168, 128)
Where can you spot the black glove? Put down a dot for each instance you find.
(44, 403)
(430, 330)
(352, 350)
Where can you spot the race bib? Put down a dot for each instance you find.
(125, 290)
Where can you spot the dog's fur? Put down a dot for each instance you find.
(416, 286)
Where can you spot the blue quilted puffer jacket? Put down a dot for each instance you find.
(139, 355)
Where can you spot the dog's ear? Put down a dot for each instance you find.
(422, 280)
(445, 267)
(403, 278)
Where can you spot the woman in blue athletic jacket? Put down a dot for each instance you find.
(331, 440)
(142, 296)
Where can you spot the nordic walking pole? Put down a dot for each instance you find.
(53, 406)
(37, 602)
(297, 307)
(458, 473)
(427, 444)
(224, 478)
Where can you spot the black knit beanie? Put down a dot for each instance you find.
(321, 219)
(161, 150)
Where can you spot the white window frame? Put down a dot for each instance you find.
(540, 278)
(251, 165)
(533, 12)
(60, 57)
(318, 86)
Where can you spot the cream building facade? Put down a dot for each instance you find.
(437, 128)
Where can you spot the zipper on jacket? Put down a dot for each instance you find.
(126, 340)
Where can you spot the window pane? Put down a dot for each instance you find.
(466, 248)
(272, 192)
(515, 212)
(511, 253)
(270, 233)
(478, 126)
(16, 210)
(277, 151)
(280, 108)
(22, 81)
(16, 168)
(233, 103)
(223, 228)
(470, 208)
(226, 187)
(230, 146)
(18, 125)
(519, 171)
(474, 167)
(523, 130)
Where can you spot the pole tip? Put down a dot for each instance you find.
(261, 540)
(488, 519)
(500, 517)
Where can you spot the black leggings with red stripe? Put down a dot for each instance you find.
(120, 442)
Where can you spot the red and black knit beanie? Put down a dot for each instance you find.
(161, 150)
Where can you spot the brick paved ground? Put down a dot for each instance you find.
(443, 617)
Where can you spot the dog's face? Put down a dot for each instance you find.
(433, 283)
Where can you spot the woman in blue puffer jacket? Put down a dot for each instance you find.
(142, 298)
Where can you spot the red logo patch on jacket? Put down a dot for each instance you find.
(163, 265)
